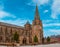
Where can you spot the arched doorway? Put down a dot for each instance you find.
(24, 41)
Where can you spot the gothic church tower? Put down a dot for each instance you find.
(37, 32)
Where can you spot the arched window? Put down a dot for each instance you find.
(7, 39)
(30, 40)
(1, 30)
(0, 38)
(24, 40)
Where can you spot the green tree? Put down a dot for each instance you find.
(16, 37)
(35, 39)
(48, 39)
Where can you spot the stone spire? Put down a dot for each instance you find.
(27, 22)
(37, 13)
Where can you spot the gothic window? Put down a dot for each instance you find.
(27, 33)
(24, 41)
(30, 40)
(0, 38)
(21, 32)
(11, 31)
(1, 32)
(30, 33)
(6, 31)
(34, 22)
(7, 39)
(0, 28)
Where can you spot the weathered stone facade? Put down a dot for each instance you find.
(26, 33)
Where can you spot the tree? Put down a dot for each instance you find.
(35, 39)
(48, 39)
(16, 37)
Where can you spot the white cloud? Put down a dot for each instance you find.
(55, 9)
(46, 21)
(57, 31)
(19, 22)
(6, 14)
(51, 24)
(45, 11)
(38, 2)
(52, 27)
(14, 22)
(50, 32)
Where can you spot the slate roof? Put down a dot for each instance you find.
(11, 25)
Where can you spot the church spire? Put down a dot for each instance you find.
(37, 13)
(27, 22)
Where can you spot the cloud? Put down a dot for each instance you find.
(50, 32)
(6, 14)
(51, 24)
(51, 27)
(38, 2)
(19, 22)
(55, 9)
(15, 22)
(57, 31)
(46, 21)
(45, 11)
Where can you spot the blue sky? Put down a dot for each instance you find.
(19, 11)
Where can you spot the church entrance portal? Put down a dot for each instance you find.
(24, 41)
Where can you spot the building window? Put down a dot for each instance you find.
(0, 38)
(1, 30)
(30, 40)
(24, 40)
(7, 39)
(27, 33)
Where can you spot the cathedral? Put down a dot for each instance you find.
(29, 34)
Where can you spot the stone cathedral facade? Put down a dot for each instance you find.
(26, 33)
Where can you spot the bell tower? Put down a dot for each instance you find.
(37, 32)
(28, 26)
